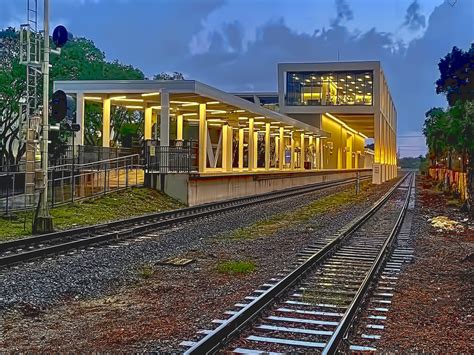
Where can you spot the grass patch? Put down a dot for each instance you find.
(236, 267)
(146, 271)
(271, 225)
(118, 205)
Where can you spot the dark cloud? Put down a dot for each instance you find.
(411, 70)
(414, 21)
(343, 13)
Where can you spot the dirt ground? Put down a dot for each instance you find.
(432, 309)
(170, 303)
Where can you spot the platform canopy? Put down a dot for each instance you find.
(184, 98)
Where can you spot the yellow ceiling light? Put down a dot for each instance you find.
(342, 123)
(287, 126)
(367, 76)
(216, 112)
(258, 123)
(118, 97)
(215, 120)
(239, 111)
(213, 102)
(92, 98)
(243, 118)
(134, 107)
(259, 117)
(151, 94)
(128, 100)
(190, 104)
(190, 114)
(359, 79)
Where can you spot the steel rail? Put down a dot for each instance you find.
(346, 321)
(131, 226)
(232, 326)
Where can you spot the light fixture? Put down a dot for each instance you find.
(342, 79)
(350, 77)
(191, 104)
(353, 82)
(342, 123)
(370, 82)
(216, 120)
(92, 98)
(213, 102)
(243, 118)
(179, 102)
(296, 78)
(134, 107)
(359, 79)
(239, 111)
(190, 114)
(259, 117)
(151, 94)
(367, 76)
(118, 97)
(128, 100)
(156, 107)
(308, 81)
(216, 112)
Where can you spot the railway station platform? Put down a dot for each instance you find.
(194, 188)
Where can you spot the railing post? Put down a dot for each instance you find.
(52, 189)
(105, 178)
(126, 173)
(357, 182)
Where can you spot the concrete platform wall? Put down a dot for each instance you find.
(199, 189)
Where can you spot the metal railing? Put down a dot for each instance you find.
(180, 158)
(71, 182)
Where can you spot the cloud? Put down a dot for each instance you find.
(411, 69)
(414, 20)
(343, 13)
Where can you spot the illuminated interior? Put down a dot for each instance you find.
(329, 88)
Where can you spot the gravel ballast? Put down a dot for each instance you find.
(104, 300)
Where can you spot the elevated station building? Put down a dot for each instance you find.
(206, 144)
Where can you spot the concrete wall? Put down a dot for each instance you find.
(203, 189)
(174, 185)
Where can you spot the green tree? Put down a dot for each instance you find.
(168, 76)
(80, 59)
(12, 88)
(435, 130)
(457, 75)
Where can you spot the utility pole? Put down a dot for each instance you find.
(44, 222)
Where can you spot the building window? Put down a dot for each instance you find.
(329, 88)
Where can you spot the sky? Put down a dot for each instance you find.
(235, 45)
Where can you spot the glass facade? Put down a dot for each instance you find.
(329, 88)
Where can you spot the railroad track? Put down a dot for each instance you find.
(24, 249)
(311, 307)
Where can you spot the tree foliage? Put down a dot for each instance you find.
(168, 76)
(450, 133)
(456, 79)
(80, 59)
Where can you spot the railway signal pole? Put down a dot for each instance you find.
(43, 221)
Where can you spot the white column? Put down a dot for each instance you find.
(277, 151)
(179, 128)
(80, 113)
(292, 151)
(313, 151)
(154, 118)
(281, 160)
(202, 138)
(251, 146)
(147, 130)
(302, 150)
(267, 146)
(319, 153)
(241, 148)
(106, 122)
(227, 148)
(165, 119)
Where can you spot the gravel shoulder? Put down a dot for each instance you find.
(432, 307)
(119, 298)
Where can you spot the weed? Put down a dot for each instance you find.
(146, 271)
(236, 267)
